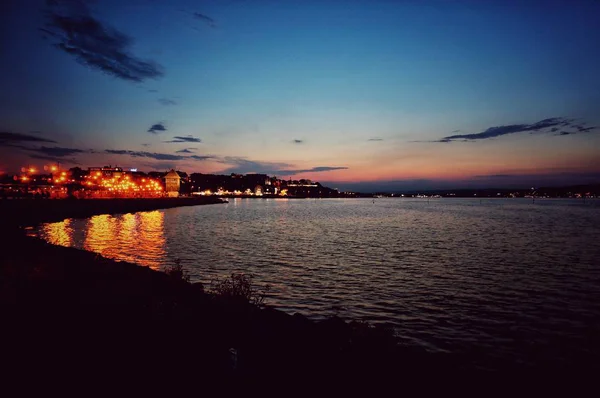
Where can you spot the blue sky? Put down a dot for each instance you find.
(356, 94)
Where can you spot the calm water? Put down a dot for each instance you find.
(517, 279)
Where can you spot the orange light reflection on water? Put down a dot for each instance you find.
(59, 233)
(137, 238)
(116, 236)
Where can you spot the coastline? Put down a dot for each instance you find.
(69, 303)
(31, 212)
(78, 299)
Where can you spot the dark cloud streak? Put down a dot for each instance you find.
(179, 139)
(95, 44)
(143, 154)
(244, 166)
(57, 151)
(154, 155)
(546, 125)
(8, 138)
(205, 18)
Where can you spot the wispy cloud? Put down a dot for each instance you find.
(57, 151)
(166, 101)
(296, 141)
(205, 18)
(318, 169)
(189, 138)
(243, 166)
(186, 150)
(155, 155)
(143, 154)
(546, 125)
(156, 128)
(201, 157)
(375, 139)
(95, 44)
(7, 138)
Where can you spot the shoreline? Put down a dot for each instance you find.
(79, 298)
(32, 212)
(74, 304)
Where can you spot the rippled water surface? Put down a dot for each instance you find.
(450, 274)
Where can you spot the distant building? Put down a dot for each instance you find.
(106, 171)
(172, 183)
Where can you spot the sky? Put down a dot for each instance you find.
(360, 95)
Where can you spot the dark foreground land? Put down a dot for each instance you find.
(72, 317)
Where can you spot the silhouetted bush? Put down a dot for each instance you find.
(177, 272)
(239, 287)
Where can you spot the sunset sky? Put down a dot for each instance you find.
(355, 94)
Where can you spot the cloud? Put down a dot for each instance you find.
(205, 18)
(11, 138)
(186, 150)
(243, 166)
(583, 129)
(296, 141)
(318, 169)
(154, 155)
(189, 138)
(166, 101)
(95, 44)
(375, 139)
(155, 128)
(56, 151)
(546, 125)
(142, 154)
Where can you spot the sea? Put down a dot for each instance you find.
(510, 279)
